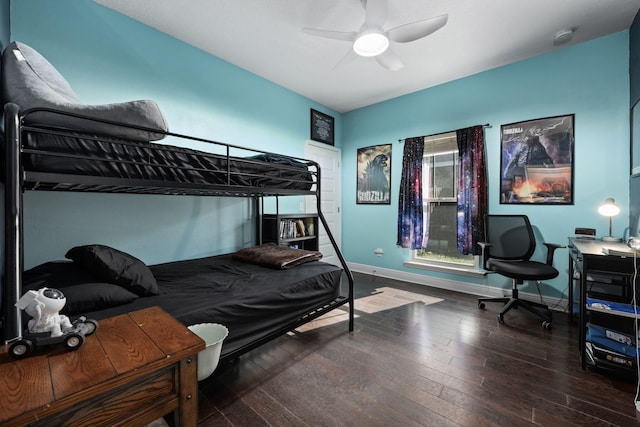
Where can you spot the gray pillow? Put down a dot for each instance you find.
(30, 81)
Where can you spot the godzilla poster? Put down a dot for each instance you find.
(536, 164)
(374, 175)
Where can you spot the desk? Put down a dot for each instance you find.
(587, 255)
(137, 367)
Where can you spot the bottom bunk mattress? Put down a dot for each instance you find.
(250, 300)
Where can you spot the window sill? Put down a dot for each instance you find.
(451, 269)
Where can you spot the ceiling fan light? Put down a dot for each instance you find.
(370, 44)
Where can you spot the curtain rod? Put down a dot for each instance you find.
(486, 125)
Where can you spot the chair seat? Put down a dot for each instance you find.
(523, 270)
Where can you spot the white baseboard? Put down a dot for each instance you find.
(452, 285)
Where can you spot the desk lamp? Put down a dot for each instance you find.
(609, 208)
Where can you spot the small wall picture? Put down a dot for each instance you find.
(536, 163)
(374, 175)
(322, 127)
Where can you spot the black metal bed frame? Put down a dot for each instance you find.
(17, 180)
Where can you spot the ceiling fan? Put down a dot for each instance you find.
(371, 40)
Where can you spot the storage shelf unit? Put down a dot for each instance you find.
(293, 230)
(607, 318)
(610, 341)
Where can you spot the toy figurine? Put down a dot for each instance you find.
(47, 326)
(44, 306)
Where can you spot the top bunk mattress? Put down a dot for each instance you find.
(85, 156)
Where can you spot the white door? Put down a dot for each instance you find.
(329, 158)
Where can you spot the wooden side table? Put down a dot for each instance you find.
(136, 368)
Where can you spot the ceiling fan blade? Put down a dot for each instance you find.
(375, 13)
(390, 60)
(348, 58)
(348, 36)
(417, 30)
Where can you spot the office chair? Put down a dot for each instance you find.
(509, 245)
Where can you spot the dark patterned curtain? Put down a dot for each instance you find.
(472, 189)
(410, 212)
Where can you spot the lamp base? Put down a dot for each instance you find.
(611, 239)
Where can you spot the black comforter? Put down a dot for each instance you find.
(84, 155)
(250, 300)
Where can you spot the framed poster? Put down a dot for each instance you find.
(536, 162)
(322, 127)
(374, 175)
(635, 139)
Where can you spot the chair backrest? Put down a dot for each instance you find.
(511, 237)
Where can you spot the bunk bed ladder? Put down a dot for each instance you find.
(343, 262)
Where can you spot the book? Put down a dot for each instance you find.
(310, 227)
(621, 251)
(301, 231)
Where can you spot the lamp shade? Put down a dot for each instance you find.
(609, 208)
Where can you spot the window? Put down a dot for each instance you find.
(439, 186)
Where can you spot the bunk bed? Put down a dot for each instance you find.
(62, 149)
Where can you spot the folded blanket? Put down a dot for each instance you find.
(276, 256)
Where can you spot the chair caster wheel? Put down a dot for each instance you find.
(546, 325)
(481, 305)
(500, 318)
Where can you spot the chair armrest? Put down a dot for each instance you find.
(485, 246)
(551, 248)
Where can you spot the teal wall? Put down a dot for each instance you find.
(589, 80)
(634, 60)
(5, 23)
(634, 83)
(107, 57)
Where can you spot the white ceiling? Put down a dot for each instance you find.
(265, 38)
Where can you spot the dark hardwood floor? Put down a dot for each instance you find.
(418, 356)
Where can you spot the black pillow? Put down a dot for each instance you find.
(80, 288)
(117, 267)
(55, 274)
(94, 296)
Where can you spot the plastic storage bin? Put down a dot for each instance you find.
(213, 334)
